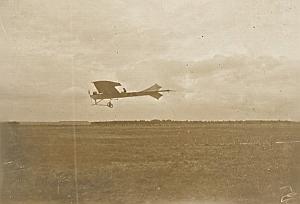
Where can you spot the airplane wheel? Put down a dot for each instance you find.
(110, 105)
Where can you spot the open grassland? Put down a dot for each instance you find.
(149, 162)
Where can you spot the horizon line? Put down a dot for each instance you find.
(153, 120)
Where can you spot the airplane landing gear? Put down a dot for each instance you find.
(98, 103)
(110, 105)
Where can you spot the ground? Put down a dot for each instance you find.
(150, 163)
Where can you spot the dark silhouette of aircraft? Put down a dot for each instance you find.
(107, 90)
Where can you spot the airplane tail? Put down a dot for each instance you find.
(155, 95)
(155, 87)
(154, 91)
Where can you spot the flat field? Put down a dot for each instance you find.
(149, 163)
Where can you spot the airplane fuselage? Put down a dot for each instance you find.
(100, 96)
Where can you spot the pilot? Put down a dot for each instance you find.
(124, 90)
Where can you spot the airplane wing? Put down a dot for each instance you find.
(107, 87)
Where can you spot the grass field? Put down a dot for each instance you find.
(174, 163)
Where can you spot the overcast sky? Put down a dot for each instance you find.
(227, 60)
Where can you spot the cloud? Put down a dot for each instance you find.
(240, 86)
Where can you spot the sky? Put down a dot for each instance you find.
(227, 60)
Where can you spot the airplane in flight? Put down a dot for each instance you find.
(107, 90)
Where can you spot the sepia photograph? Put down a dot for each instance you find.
(150, 102)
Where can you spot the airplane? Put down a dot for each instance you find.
(107, 90)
